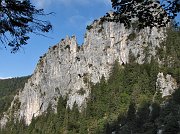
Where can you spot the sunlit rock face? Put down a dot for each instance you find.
(66, 69)
(166, 84)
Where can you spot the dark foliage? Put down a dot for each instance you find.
(8, 88)
(126, 103)
(18, 18)
(148, 13)
(106, 106)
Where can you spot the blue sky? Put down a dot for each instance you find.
(71, 18)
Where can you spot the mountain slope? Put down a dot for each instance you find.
(8, 89)
(71, 74)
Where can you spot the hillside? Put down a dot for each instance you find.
(8, 89)
(119, 81)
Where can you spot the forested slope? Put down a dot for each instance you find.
(8, 89)
(128, 102)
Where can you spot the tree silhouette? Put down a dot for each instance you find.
(18, 18)
(147, 12)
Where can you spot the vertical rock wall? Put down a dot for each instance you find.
(66, 69)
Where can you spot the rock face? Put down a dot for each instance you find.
(166, 85)
(66, 69)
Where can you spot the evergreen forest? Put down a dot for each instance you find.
(126, 103)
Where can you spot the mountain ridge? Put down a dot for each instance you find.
(67, 69)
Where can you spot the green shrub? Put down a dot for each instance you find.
(89, 27)
(132, 36)
(81, 91)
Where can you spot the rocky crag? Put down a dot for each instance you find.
(67, 69)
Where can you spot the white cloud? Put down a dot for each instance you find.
(45, 3)
(3, 78)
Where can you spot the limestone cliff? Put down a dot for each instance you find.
(166, 85)
(66, 69)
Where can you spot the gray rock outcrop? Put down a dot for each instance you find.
(166, 84)
(66, 69)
